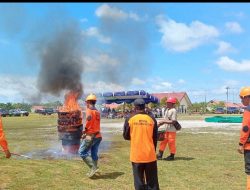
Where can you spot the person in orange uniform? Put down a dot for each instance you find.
(170, 116)
(92, 137)
(244, 144)
(141, 129)
(3, 141)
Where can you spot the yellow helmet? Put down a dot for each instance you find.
(91, 97)
(245, 91)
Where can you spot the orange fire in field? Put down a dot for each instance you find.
(70, 124)
(70, 102)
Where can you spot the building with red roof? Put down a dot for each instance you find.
(182, 97)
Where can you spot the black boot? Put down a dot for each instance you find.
(169, 158)
(159, 155)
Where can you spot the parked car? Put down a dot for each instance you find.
(46, 111)
(49, 111)
(241, 110)
(232, 110)
(4, 112)
(24, 113)
(219, 110)
(14, 112)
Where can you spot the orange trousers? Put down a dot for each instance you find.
(170, 140)
(3, 142)
(248, 182)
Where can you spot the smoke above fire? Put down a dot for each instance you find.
(65, 56)
(61, 65)
(54, 41)
(63, 51)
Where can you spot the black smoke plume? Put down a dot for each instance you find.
(61, 66)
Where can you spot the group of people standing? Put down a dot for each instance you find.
(139, 126)
(141, 130)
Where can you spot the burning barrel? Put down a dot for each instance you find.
(70, 130)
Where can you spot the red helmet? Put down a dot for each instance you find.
(171, 100)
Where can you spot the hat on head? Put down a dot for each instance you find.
(91, 97)
(245, 91)
(171, 100)
(139, 101)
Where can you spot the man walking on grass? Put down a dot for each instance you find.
(91, 135)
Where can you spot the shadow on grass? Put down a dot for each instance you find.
(180, 158)
(111, 175)
(184, 158)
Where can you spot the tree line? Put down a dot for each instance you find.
(27, 107)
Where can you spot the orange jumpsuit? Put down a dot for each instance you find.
(3, 141)
(170, 135)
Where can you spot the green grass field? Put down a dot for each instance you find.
(206, 159)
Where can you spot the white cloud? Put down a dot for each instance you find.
(181, 37)
(95, 63)
(157, 84)
(161, 87)
(232, 83)
(224, 48)
(234, 27)
(228, 64)
(101, 86)
(197, 93)
(12, 82)
(106, 11)
(136, 81)
(222, 90)
(166, 84)
(94, 32)
(16, 88)
(181, 81)
(134, 16)
(240, 15)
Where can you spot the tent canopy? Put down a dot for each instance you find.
(125, 97)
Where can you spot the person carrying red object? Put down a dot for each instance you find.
(170, 116)
(3, 141)
(244, 141)
(141, 129)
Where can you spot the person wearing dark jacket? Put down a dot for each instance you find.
(141, 129)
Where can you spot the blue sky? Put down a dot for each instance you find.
(198, 48)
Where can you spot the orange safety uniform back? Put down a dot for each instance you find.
(245, 130)
(93, 122)
(3, 142)
(141, 130)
